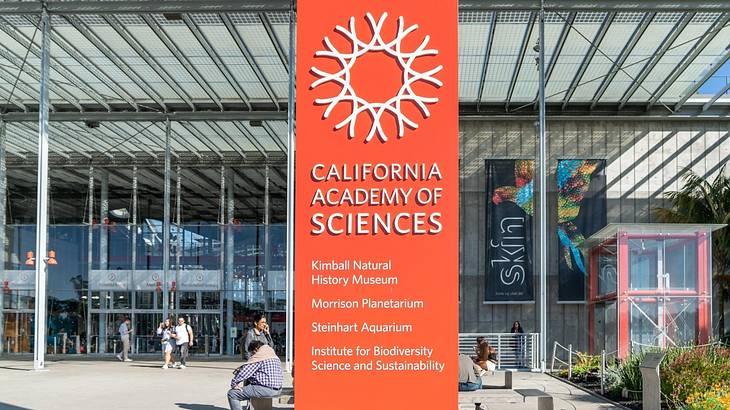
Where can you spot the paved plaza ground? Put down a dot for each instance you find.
(142, 384)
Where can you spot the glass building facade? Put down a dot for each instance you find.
(642, 91)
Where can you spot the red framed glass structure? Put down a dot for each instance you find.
(650, 285)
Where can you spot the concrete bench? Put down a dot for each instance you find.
(508, 379)
(544, 400)
(262, 403)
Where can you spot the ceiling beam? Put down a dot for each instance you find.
(280, 50)
(625, 53)
(113, 57)
(487, 54)
(232, 6)
(150, 116)
(688, 59)
(248, 55)
(520, 58)
(147, 56)
(656, 57)
(594, 46)
(182, 59)
(711, 70)
(716, 97)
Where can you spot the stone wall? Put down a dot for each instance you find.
(644, 159)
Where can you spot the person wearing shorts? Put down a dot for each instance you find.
(165, 332)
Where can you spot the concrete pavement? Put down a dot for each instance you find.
(142, 384)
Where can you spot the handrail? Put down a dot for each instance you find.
(514, 350)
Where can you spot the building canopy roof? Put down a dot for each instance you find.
(220, 69)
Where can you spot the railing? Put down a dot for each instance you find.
(570, 360)
(514, 350)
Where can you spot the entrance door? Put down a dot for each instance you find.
(18, 332)
(145, 335)
(206, 329)
(105, 332)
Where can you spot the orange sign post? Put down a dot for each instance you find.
(376, 205)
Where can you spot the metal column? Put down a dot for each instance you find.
(179, 234)
(3, 195)
(543, 193)
(104, 221)
(90, 261)
(267, 250)
(39, 350)
(166, 227)
(227, 277)
(230, 206)
(104, 253)
(133, 229)
(290, 201)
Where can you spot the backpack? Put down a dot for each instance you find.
(191, 335)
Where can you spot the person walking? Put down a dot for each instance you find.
(124, 331)
(165, 332)
(183, 340)
(260, 376)
(259, 333)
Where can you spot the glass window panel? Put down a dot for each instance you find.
(188, 300)
(607, 271)
(122, 300)
(145, 300)
(149, 245)
(210, 300)
(19, 299)
(680, 263)
(100, 300)
(643, 263)
(200, 247)
(644, 333)
(680, 320)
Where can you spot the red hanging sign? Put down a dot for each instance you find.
(377, 195)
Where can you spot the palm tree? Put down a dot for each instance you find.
(703, 201)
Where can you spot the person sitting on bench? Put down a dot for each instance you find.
(469, 374)
(261, 376)
(487, 357)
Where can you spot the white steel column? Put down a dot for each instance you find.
(166, 227)
(90, 262)
(227, 277)
(104, 221)
(543, 194)
(3, 195)
(230, 207)
(267, 244)
(104, 258)
(133, 230)
(290, 201)
(41, 262)
(179, 234)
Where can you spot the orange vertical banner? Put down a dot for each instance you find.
(376, 232)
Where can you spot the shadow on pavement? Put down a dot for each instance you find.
(22, 369)
(6, 406)
(192, 406)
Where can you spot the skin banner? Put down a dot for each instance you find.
(581, 213)
(510, 208)
(376, 233)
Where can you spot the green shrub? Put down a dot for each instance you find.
(626, 374)
(694, 371)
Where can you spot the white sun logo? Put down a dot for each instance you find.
(376, 110)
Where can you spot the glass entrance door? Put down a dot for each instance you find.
(145, 335)
(18, 330)
(206, 329)
(105, 332)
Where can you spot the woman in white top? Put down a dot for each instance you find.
(165, 332)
